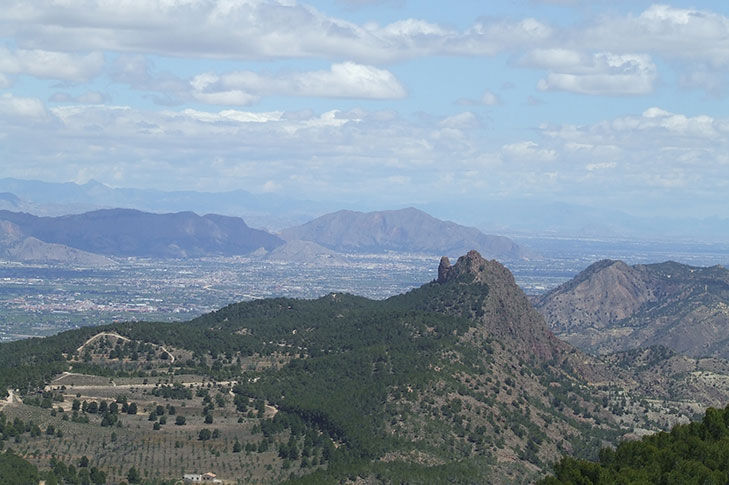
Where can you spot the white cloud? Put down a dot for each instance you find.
(234, 97)
(271, 186)
(489, 98)
(343, 80)
(528, 151)
(248, 29)
(22, 108)
(601, 74)
(654, 150)
(592, 167)
(362, 3)
(670, 31)
(701, 126)
(460, 121)
(51, 65)
(553, 58)
(613, 54)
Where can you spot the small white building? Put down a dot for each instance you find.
(204, 478)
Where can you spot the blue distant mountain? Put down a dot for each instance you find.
(127, 232)
(406, 230)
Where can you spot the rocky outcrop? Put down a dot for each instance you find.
(501, 307)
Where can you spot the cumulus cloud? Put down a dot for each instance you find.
(654, 149)
(592, 167)
(336, 152)
(674, 32)
(599, 74)
(713, 81)
(342, 80)
(613, 54)
(248, 29)
(50, 64)
(528, 151)
(654, 129)
(25, 109)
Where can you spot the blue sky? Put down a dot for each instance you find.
(619, 104)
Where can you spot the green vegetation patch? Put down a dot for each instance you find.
(695, 453)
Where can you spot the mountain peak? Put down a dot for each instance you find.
(489, 294)
(404, 230)
(473, 268)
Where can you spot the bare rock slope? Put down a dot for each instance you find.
(612, 306)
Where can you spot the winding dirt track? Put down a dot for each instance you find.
(121, 337)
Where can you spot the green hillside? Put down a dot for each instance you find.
(695, 453)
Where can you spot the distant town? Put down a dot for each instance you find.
(40, 300)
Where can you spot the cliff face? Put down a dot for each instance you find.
(612, 306)
(502, 309)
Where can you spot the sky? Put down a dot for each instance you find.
(611, 104)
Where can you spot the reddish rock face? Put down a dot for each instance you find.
(443, 268)
(611, 307)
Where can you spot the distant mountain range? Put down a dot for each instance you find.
(611, 306)
(405, 230)
(512, 216)
(128, 232)
(54, 199)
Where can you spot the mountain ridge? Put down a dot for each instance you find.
(612, 306)
(408, 230)
(130, 232)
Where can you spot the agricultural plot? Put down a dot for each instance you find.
(195, 430)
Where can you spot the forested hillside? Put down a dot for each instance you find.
(691, 453)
